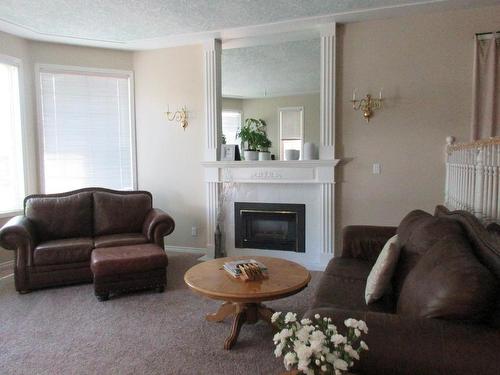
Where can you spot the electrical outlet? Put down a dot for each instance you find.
(194, 231)
(376, 168)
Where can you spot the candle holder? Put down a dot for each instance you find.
(367, 105)
(180, 116)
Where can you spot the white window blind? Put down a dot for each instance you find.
(291, 124)
(231, 122)
(291, 129)
(87, 130)
(11, 147)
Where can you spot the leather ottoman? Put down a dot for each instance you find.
(127, 268)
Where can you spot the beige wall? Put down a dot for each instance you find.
(63, 54)
(234, 104)
(424, 64)
(169, 157)
(267, 110)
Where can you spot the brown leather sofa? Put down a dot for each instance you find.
(56, 235)
(443, 314)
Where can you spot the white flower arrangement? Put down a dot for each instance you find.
(316, 346)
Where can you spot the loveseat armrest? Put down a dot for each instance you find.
(401, 345)
(365, 241)
(19, 234)
(19, 231)
(157, 225)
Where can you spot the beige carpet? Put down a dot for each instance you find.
(67, 331)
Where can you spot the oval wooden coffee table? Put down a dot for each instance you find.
(244, 299)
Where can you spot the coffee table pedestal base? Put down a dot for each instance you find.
(249, 313)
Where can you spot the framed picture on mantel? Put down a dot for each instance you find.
(229, 153)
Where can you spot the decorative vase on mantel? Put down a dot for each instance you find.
(219, 252)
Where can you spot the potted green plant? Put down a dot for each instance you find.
(263, 144)
(250, 133)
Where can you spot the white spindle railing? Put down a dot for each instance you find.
(473, 178)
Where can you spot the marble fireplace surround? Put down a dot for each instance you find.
(304, 182)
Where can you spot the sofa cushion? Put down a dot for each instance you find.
(109, 261)
(57, 217)
(70, 250)
(418, 232)
(111, 240)
(450, 283)
(120, 213)
(343, 286)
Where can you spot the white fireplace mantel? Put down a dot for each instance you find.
(310, 182)
(271, 171)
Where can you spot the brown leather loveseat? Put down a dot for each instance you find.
(443, 314)
(56, 235)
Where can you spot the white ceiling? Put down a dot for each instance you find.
(282, 69)
(138, 24)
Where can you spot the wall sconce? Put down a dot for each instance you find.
(180, 116)
(367, 104)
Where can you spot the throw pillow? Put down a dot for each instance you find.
(379, 279)
(449, 283)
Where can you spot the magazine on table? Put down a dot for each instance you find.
(233, 268)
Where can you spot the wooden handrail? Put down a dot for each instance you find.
(474, 144)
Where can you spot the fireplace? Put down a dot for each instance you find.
(270, 226)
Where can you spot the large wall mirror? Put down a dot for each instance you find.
(279, 84)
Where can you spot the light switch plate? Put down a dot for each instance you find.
(376, 168)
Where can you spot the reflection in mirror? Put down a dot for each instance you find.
(278, 84)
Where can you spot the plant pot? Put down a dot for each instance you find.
(218, 242)
(251, 155)
(292, 154)
(264, 155)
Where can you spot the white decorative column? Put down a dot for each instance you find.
(327, 135)
(327, 93)
(213, 129)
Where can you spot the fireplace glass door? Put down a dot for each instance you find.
(270, 226)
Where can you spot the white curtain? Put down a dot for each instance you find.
(486, 87)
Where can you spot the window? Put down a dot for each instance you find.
(291, 129)
(231, 122)
(11, 143)
(87, 129)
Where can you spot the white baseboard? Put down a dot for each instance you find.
(7, 264)
(185, 249)
(6, 269)
(311, 266)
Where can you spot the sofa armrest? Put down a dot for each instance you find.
(19, 234)
(411, 346)
(157, 225)
(365, 241)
